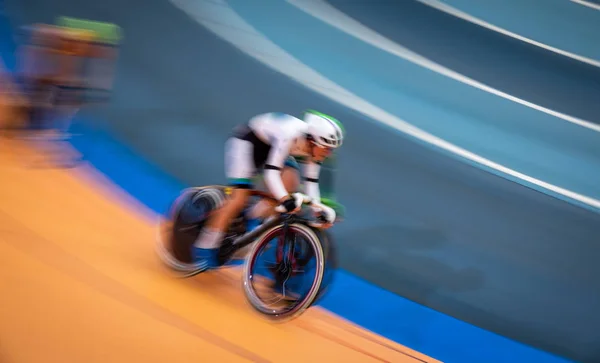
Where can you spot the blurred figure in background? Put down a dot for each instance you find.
(62, 69)
(101, 56)
(52, 78)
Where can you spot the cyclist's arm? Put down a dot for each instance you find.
(279, 151)
(311, 180)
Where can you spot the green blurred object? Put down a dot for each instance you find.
(108, 33)
(340, 210)
(327, 184)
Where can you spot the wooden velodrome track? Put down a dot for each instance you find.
(80, 282)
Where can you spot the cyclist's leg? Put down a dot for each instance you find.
(239, 168)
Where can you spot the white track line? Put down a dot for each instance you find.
(460, 14)
(219, 18)
(332, 16)
(588, 4)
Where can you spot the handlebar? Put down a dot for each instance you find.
(305, 199)
(280, 209)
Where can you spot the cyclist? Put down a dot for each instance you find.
(269, 142)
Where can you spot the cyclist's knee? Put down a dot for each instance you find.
(232, 206)
(238, 198)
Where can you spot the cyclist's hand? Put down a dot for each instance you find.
(325, 216)
(291, 204)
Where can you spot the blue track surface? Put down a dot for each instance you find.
(455, 239)
(562, 24)
(509, 65)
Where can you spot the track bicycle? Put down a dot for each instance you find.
(299, 245)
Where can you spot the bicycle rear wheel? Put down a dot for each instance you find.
(289, 309)
(177, 232)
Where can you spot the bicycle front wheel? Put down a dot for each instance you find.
(286, 264)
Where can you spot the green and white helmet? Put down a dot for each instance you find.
(323, 129)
